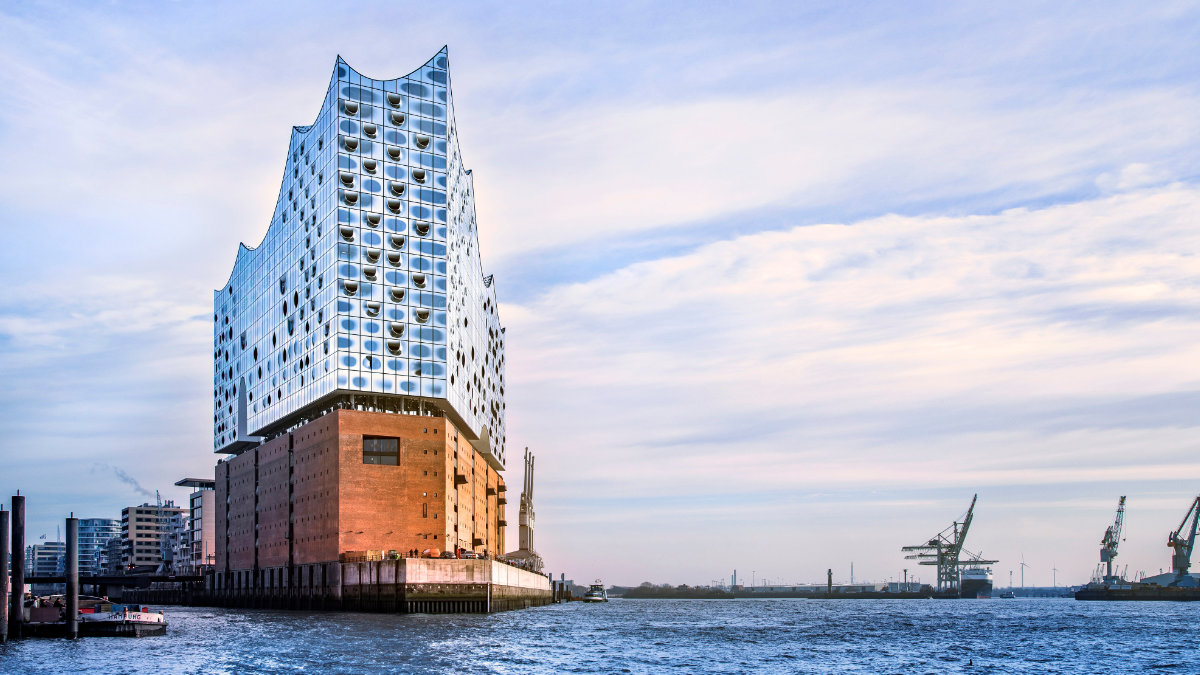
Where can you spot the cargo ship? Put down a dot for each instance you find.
(975, 582)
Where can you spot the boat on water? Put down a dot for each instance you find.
(46, 617)
(596, 593)
(1007, 595)
(975, 582)
(123, 621)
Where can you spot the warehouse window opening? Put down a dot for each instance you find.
(385, 451)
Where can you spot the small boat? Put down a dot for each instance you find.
(1007, 595)
(122, 621)
(596, 593)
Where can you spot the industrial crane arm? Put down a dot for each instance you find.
(1182, 540)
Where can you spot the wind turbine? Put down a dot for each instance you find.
(1023, 566)
(1054, 570)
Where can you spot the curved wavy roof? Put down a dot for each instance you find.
(300, 133)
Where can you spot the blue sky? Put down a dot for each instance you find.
(784, 283)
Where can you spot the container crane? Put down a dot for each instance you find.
(1110, 542)
(1181, 541)
(945, 550)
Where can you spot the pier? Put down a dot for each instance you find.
(407, 585)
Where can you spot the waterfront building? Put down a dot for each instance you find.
(94, 534)
(45, 559)
(176, 543)
(199, 553)
(109, 560)
(358, 353)
(143, 532)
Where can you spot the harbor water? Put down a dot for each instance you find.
(655, 636)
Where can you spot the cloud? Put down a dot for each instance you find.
(1130, 177)
(1028, 350)
(842, 150)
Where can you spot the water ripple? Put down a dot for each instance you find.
(653, 636)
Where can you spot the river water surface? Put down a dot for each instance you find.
(656, 636)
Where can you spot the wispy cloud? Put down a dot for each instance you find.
(929, 352)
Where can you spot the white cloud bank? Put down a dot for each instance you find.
(1049, 351)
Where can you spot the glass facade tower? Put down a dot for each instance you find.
(367, 290)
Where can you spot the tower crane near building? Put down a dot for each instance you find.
(525, 555)
(1110, 542)
(1181, 541)
(945, 550)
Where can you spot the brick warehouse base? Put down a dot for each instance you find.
(410, 585)
(307, 496)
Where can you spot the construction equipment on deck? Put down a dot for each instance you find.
(1181, 542)
(945, 550)
(1110, 542)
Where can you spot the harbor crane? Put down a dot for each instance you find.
(1111, 540)
(1181, 541)
(945, 551)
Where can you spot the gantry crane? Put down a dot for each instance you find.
(1110, 542)
(945, 550)
(1181, 541)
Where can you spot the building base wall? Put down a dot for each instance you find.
(410, 585)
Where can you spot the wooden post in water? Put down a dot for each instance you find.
(3, 575)
(72, 564)
(16, 610)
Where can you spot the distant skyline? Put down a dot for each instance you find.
(783, 285)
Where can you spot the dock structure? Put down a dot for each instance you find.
(407, 585)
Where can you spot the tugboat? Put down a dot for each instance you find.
(596, 593)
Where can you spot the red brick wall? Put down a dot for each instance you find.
(273, 502)
(315, 495)
(217, 515)
(241, 511)
(391, 507)
(464, 494)
(340, 504)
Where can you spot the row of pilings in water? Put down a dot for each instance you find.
(12, 553)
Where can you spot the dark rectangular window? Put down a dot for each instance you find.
(381, 451)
